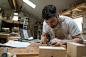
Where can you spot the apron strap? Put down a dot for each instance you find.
(60, 22)
(53, 33)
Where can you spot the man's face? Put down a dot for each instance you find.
(52, 22)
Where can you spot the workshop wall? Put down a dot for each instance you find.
(31, 19)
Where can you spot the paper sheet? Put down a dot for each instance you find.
(16, 44)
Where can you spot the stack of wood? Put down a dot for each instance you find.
(75, 4)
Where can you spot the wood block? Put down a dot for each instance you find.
(76, 50)
(37, 44)
(84, 43)
(48, 51)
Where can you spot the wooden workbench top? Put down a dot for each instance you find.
(30, 51)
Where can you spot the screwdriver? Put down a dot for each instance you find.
(47, 41)
(5, 52)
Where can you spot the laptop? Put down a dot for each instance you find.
(25, 34)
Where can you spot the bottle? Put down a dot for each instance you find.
(1, 12)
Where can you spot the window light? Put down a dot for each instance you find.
(15, 18)
(30, 3)
(15, 13)
(79, 22)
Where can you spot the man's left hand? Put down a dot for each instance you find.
(56, 42)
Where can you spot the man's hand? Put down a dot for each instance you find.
(56, 42)
(43, 40)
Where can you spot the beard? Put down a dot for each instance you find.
(53, 26)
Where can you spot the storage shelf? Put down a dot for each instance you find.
(79, 8)
(10, 21)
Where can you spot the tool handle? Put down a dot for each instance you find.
(4, 55)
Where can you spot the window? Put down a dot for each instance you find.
(79, 22)
(30, 3)
(15, 18)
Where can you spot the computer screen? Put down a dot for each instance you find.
(25, 34)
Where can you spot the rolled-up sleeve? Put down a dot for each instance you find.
(73, 29)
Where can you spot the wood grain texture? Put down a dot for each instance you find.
(76, 49)
(4, 36)
(29, 51)
(46, 51)
(1, 50)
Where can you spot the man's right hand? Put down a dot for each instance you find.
(43, 40)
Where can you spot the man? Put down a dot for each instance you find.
(62, 29)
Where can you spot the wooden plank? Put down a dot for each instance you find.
(83, 33)
(81, 5)
(1, 50)
(10, 21)
(24, 51)
(66, 12)
(37, 44)
(76, 49)
(47, 51)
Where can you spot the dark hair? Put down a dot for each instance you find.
(49, 11)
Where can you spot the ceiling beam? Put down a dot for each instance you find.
(12, 4)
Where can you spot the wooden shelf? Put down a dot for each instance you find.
(83, 33)
(78, 16)
(10, 21)
(79, 8)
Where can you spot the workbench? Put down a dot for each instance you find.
(34, 51)
(4, 35)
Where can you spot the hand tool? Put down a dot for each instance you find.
(5, 52)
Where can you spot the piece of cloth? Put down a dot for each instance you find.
(68, 26)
